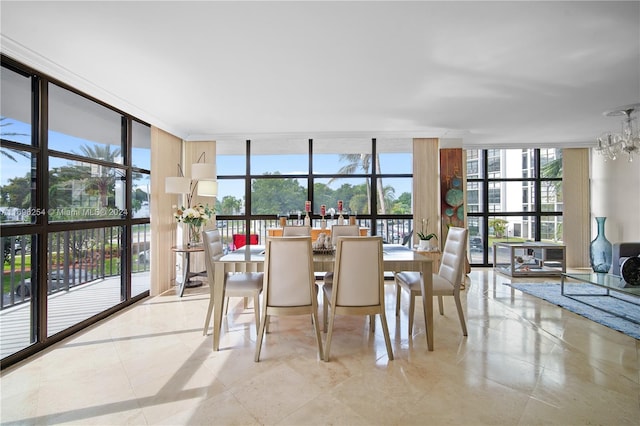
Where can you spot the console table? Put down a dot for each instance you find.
(529, 259)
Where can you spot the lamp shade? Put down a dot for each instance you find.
(207, 188)
(203, 171)
(177, 185)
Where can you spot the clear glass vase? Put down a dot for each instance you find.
(600, 250)
(195, 234)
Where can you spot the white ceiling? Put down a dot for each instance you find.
(489, 73)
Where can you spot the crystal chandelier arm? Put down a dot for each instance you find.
(610, 145)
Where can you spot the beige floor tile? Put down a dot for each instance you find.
(524, 362)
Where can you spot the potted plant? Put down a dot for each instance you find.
(425, 236)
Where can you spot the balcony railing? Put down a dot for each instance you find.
(395, 231)
(82, 256)
(74, 258)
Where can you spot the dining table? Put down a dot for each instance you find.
(250, 258)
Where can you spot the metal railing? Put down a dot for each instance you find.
(74, 258)
(395, 231)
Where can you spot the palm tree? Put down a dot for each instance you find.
(363, 162)
(102, 181)
(8, 152)
(553, 169)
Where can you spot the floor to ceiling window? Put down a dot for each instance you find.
(262, 180)
(512, 195)
(74, 211)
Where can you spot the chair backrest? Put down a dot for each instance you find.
(358, 276)
(454, 255)
(338, 231)
(212, 241)
(288, 272)
(296, 231)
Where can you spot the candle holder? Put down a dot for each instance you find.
(340, 217)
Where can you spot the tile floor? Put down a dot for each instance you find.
(524, 362)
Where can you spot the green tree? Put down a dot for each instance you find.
(275, 196)
(17, 192)
(402, 205)
(499, 227)
(359, 201)
(323, 194)
(229, 205)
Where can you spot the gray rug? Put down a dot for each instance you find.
(586, 306)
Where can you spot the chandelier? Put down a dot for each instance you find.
(611, 145)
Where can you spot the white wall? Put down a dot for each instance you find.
(615, 194)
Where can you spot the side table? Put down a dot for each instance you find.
(187, 274)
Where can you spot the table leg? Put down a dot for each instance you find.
(218, 299)
(185, 273)
(426, 284)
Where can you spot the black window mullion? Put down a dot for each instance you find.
(310, 180)
(374, 189)
(485, 202)
(247, 191)
(40, 117)
(127, 231)
(538, 195)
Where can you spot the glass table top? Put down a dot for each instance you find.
(609, 281)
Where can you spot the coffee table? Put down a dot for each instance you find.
(613, 284)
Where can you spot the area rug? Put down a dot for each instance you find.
(551, 293)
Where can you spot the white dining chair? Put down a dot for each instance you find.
(338, 231)
(445, 283)
(296, 231)
(289, 287)
(237, 284)
(358, 285)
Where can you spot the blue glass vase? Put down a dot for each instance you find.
(600, 249)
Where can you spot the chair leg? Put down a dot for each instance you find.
(325, 311)
(261, 334)
(398, 297)
(327, 345)
(226, 306)
(372, 323)
(461, 315)
(440, 305)
(385, 331)
(316, 329)
(412, 309)
(256, 309)
(246, 302)
(207, 321)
